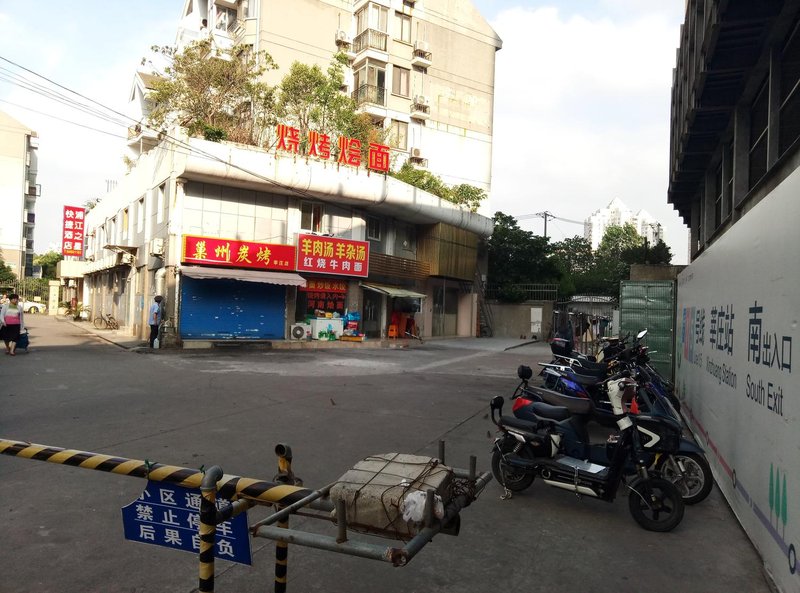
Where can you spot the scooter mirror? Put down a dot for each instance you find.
(497, 402)
(524, 372)
(641, 334)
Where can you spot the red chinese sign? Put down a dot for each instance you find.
(329, 255)
(210, 251)
(72, 233)
(319, 145)
(312, 285)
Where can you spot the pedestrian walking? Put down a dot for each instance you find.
(154, 318)
(12, 321)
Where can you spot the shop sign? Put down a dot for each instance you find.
(319, 146)
(211, 251)
(330, 255)
(72, 231)
(315, 285)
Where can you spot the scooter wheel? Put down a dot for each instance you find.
(655, 504)
(696, 481)
(516, 480)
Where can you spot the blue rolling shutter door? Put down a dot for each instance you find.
(222, 309)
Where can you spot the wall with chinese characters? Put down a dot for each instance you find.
(738, 309)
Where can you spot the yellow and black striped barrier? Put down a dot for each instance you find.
(230, 487)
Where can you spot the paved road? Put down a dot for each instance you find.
(62, 529)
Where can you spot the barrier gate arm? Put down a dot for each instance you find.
(246, 492)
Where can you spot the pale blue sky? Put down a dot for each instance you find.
(581, 115)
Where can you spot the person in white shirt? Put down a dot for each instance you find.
(154, 318)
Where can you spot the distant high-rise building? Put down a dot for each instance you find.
(18, 193)
(618, 214)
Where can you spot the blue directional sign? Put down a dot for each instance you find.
(169, 516)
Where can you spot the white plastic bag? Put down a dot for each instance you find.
(413, 506)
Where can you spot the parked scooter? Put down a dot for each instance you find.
(527, 449)
(687, 467)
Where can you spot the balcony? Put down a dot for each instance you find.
(371, 43)
(369, 94)
(34, 191)
(421, 57)
(30, 218)
(420, 109)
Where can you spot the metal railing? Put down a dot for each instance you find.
(533, 292)
(369, 93)
(370, 39)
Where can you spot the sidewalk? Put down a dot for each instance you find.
(123, 340)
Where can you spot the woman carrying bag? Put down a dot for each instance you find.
(11, 323)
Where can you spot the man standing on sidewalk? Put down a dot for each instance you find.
(154, 317)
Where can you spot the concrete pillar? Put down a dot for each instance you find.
(54, 287)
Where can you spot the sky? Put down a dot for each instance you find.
(582, 102)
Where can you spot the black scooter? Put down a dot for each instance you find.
(524, 450)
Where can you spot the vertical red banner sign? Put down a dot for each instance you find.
(72, 231)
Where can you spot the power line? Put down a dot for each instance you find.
(547, 215)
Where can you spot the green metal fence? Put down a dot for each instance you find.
(650, 305)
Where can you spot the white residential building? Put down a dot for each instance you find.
(618, 214)
(18, 193)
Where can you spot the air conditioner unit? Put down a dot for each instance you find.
(416, 153)
(157, 247)
(299, 331)
(421, 100)
(421, 46)
(342, 37)
(127, 258)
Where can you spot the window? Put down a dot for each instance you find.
(399, 135)
(140, 215)
(226, 18)
(759, 118)
(402, 27)
(311, 217)
(161, 202)
(372, 16)
(719, 190)
(373, 228)
(400, 79)
(125, 223)
(789, 118)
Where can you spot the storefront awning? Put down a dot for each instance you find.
(283, 278)
(393, 291)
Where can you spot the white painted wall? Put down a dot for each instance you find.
(738, 312)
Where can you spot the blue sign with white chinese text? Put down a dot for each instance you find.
(169, 516)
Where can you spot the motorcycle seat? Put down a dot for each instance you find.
(599, 369)
(575, 405)
(587, 380)
(550, 411)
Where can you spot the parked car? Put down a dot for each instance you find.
(34, 307)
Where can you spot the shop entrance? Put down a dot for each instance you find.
(226, 309)
(445, 312)
(371, 317)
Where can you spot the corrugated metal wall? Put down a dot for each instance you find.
(650, 305)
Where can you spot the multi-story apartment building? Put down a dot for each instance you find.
(618, 214)
(247, 243)
(734, 178)
(423, 69)
(18, 193)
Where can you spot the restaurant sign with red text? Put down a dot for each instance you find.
(319, 145)
(211, 251)
(72, 233)
(330, 255)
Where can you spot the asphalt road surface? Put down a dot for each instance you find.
(62, 527)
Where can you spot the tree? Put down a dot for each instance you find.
(468, 195)
(517, 256)
(613, 259)
(575, 259)
(48, 261)
(424, 180)
(215, 93)
(7, 275)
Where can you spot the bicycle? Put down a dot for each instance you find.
(105, 321)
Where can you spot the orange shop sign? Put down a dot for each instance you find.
(319, 146)
(330, 255)
(211, 251)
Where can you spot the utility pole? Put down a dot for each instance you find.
(545, 215)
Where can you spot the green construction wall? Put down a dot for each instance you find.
(650, 305)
